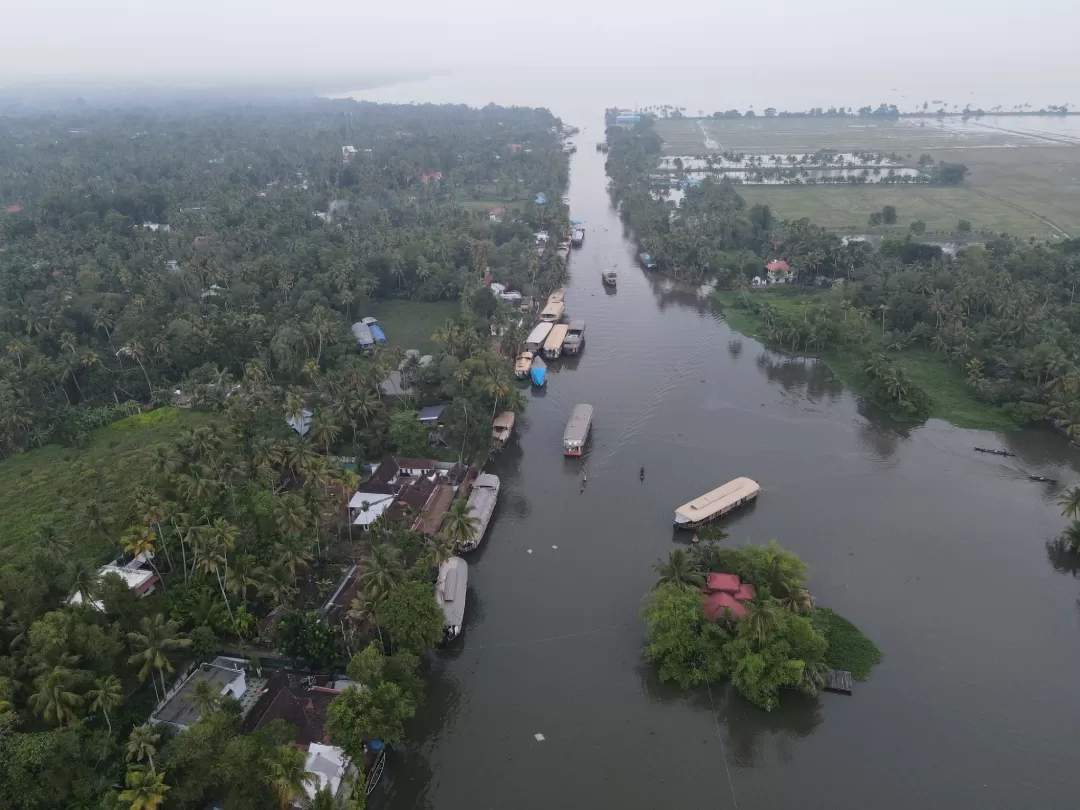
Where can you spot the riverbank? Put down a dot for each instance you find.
(950, 397)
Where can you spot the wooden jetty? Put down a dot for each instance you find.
(839, 681)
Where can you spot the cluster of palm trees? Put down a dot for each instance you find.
(386, 566)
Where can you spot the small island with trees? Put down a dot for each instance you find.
(768, 636)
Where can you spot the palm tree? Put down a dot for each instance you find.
(142, 744)
(382, 571)
(325, 799)
(145, 789)
(153, 643)
(293, 554)
(460, 524)
(324, 429)
(763, 617)
(796, 600)
(141, 541)
(245, 574)
(85, 579)
(287, 775)
(680, 569)
(54, 701)
(1070, 503)
(106, 696)
(438, 549)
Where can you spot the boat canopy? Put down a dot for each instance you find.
(538, 335)
(553, 312)
(482, 499)
(538, 372)
(362, 333)
(556, 337)
(557, 297)
(717, 502)
(577, 428)
(450, 591)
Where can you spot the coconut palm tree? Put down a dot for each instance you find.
(142, 744)
(154, 642)
(84, 581)
(796, 600)
(292, 554)
(1070, 503)
(763, 618)
(145, 790)
(54, 701)
(287, 775)
(325, 799)
(680, 569)
(460, 523)
(438, 549)
(381, 571)
(140, 541)
(106, 696)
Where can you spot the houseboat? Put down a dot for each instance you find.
(575, 336)
(450, 595)
(485, 493)
(553, 312)
(557, 297)
(609, 277)
(554, 343)
(362, 332)
(717, 503)
(647, 261)
(502, 426)
(523, 364)
(577, 430)
(538, 372)
(577, 237)
(535, 341)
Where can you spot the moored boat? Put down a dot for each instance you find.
(577, 430)
(609, 277)
(450, 591)
(485, 493)
(538, 372)
(535, 341)
(716, 503)
(523, 364)
(557, 297)
(575, 336)
(553, 312)
(647, 261)
(502, 427)
(554, 343)
(577, 238)
(376, 330)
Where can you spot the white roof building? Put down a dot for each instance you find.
(330, 766)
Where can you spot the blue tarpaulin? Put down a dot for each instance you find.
(377, 333)
(539, 375)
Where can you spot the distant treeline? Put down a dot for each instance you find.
(881, 111)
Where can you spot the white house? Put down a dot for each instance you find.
(331, 769)
(779, 272)
(137, 575)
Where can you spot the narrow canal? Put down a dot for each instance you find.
(943, 556)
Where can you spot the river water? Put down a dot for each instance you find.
(943, 556)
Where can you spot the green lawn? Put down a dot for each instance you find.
(50, 484)
(410, 324)
(951, 399)
(1022, 180)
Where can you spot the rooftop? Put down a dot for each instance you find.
(299, 699)
(329, 764)
(182, 709)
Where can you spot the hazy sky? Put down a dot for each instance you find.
(194, 40)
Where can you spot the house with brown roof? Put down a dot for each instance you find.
(726, 594)
(779, 272)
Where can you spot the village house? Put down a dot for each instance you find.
(415, 492)
(137, 574)
(496, 214)
(726, 594)
(779, 272)
(225, 676)
(303, 700)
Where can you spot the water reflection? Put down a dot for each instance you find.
(734, 348)
(751, 737)
(409, 777)
(1061, 558)
(796, 373)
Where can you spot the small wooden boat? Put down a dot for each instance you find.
(538, 372)
(502, 426)
(994, 452)
(609, 277)
(523, 364)
(1042, 479)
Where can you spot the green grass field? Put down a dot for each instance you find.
(48, 485)
(952, 400)
(410, 324)
(1024, 178)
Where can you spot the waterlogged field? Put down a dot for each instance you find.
(1024, 172)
